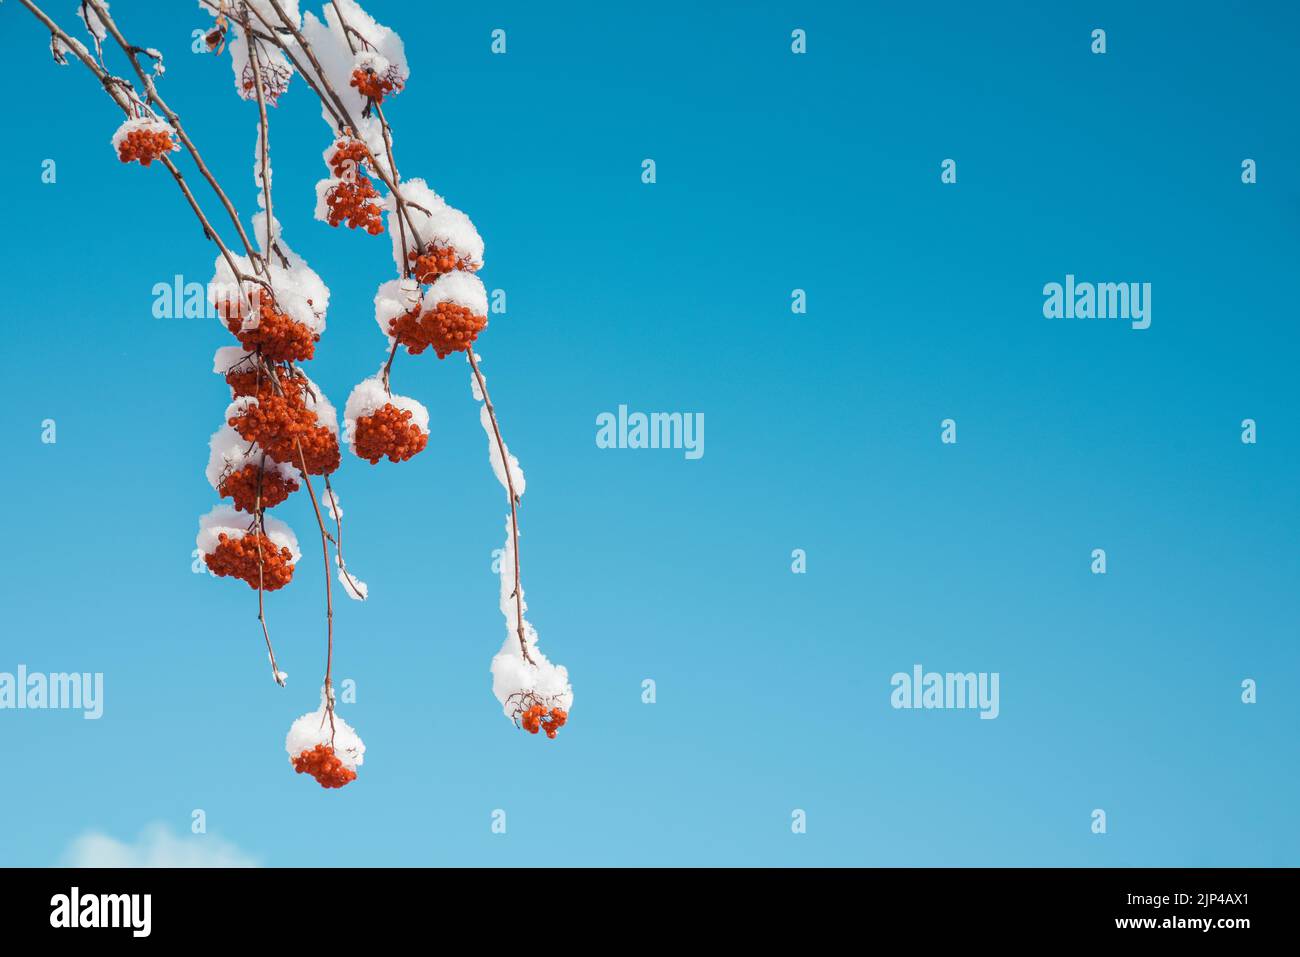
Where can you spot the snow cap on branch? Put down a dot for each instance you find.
(368, 397)
(394, 298)
(514, 678)
(230, 452)
(89, 16)
(436, 222)
(314, 729)
(227, 357)
(494, 452)
(224, 520)
(461, 288)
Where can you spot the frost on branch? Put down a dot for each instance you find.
(322, 744)
(494, 451)
(536, 694)
(377, 423)
(143, 140)
(90, 18)
(356, 589)
(231, 546)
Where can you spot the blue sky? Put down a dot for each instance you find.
(774, 172)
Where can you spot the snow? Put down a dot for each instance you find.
(436, 222)
(89, 16)
(373, 61)
(394, 298)
(360, 592)
(369, 396)
(462, 288)
(313, 728)
(333, 508)
(494, 456)
(353, 586)
(227, 357)
(225, 520)
(229, 452)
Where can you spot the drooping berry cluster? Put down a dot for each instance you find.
(350, 196)
(143, 146)
(242, 557)
(325, 766)
(447, 327)
(438, 260)
(276, 335)
(371, 84)
(253, 486)
(281, 424)
(388, 431)
(537, 719)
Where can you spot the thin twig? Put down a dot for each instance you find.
(514, 500)
(151, 93)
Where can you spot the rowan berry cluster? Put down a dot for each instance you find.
(373, 85)
(276, 336)
(388, 431)
(437, 260)
(253, 486)
(143, 146)
(281, 424)
(447, 327)
(537, 719)
(253, 558)
(325, 766)
(351, 197)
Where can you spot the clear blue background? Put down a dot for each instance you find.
(775, 172)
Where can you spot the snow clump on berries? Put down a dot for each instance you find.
(330, 750)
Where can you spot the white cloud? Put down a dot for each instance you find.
(157, 846)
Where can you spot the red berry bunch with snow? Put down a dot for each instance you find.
(377, 423)
(261, 552)
(143, 140)
(268, 331)
(322, 744)
(349, 195)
